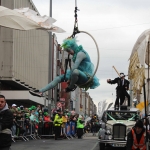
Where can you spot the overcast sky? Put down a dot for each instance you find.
(115, 25)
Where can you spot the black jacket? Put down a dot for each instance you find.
(119, 84)
(6, 121)
(93, 122)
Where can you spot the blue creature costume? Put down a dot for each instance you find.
(81, 71)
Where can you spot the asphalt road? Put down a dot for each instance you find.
(87, 143)
(51, 144)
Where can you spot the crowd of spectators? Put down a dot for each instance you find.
(36, 120)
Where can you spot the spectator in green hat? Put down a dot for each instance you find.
(47, 122)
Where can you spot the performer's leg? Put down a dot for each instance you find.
(77, 77)
(121, 96)
(57, 80)
(74, 78)
(52, 84)
(128, 96)
(117, 98)
(82, 78)
(117, 101)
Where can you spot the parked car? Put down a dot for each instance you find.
(115, 125)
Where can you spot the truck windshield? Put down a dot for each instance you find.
(122, 116)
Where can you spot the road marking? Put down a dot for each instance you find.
(94, 146)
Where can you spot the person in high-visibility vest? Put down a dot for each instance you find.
(80, 127)
(57, 124)
(136, 138)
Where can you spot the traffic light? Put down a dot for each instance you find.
(58, 95)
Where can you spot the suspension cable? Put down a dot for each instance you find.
(75, 30)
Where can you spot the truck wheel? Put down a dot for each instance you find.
(101, 146)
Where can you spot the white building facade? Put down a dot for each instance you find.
(23, 59)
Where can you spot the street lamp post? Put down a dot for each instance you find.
(85, 103)
(50, 68)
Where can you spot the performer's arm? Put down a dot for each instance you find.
(112, 81)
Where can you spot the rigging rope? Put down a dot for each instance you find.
(76, 31)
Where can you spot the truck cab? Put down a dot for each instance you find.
(115, 125)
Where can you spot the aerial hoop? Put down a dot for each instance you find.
(98, 58)
(76, 31)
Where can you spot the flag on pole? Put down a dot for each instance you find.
(140, 106)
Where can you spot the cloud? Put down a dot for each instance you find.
(116, 25)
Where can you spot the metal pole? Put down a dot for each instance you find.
(147, 143)
(144, 92)
(85, 104)
(148, 81)
(75, 3)
(131, 94)
(45, 100)
(148, 59)
(49, 107)
(50, 61)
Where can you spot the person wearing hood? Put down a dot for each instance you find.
(78, 75)
(136, 138)
(6, 122)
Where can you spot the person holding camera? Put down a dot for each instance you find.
(6, 122)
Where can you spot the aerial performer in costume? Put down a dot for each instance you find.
(80, 73)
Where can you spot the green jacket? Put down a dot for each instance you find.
(80, 123)
(58, 120)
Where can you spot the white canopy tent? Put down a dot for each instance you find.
(138, 59)
(26, 19)
(141, 47)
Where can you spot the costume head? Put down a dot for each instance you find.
(70, 44)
